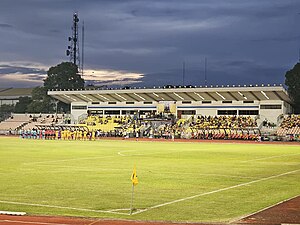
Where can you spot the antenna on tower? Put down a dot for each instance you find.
(183, 72)
(73, 47)
(205, 71)
(82, 47)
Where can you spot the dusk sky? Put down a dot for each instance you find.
(145, 42)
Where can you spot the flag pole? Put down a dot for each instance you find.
(131, 205)
(135, 181)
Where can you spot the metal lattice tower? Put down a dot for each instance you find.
(73, 47)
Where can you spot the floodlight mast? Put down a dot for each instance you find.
(73, 48)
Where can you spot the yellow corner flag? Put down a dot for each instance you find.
(134, 178)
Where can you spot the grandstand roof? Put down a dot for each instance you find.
(170, 93)
(7, 93)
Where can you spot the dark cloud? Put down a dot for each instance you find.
(5, 25)
(8, 69)
(244, 41)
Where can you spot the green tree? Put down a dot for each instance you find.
(5, 111)
(64, 76)
(21, 106)
(41, 102)
(292, 80)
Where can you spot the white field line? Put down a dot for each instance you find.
(270, 157)
(207, 174)
(85, 168)
(216, 191)
(261, 210)
(61, 207)
(116, 210)
(29, 222)
(12, 213)
(66, 160)
(155, 172)
(122, 153)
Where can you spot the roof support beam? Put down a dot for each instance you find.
(190, 96)
(255, 96)
(130, 96)
(98, 98)
(232, 96)
(278, 96)
(62, 99)
(169, 96)
(81, 98)
(152, 99)
(211, 96)
(114, 98)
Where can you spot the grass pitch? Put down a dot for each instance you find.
(209, 182)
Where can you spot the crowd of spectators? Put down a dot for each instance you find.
(200, 127)
(291, 121)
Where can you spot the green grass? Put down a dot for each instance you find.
(96, 176)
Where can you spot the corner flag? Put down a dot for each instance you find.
(134, 178)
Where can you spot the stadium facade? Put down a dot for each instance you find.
(265, 101)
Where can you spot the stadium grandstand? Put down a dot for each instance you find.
(220, 112)
(10, 96)
(183, 102)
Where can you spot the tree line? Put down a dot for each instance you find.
(62, 76)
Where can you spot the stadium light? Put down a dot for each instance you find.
(220, 95)
(121, 96)
(139, 96)
(265, 94)
(178, 96)
(199, 95)
(103, 97)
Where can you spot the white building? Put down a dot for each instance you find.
(10, 96)
(265, 101)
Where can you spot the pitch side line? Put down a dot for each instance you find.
(61, 207)
(216, 191)
(29, 222)
(271, 157)
(261, 210)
